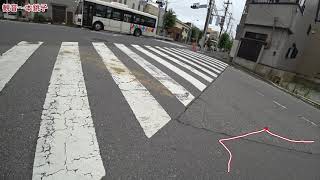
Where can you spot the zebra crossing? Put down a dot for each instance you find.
(67, 146)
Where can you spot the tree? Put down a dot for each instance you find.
(225, 41)
(194, 32)
(229, 45)
(200, 35)
(169, 19)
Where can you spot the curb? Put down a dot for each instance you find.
(304, 99)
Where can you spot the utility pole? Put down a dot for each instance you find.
(229, 21)
(160, 5)
(230, 31)
(166, 8)
(224, 17)
(211, 2)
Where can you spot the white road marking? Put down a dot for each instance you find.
(190, 68)
(188, 61)
(194, 60)
(151, 116)
(67, 146)
(206, 57)
(280, 105)
(214, 64)
(170, 43)
(260, 93)
(13, 59)
(173, 68)
(308, 121)
(183, 95)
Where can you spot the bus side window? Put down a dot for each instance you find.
(150, 22)
(127, 17)
(108, 12)
(100, 10)
(143, 20)
(136, 19)
(117, 14)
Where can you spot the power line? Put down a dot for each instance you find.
(224, 17)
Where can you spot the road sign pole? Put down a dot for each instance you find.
(203, 40)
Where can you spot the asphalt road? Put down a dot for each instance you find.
(186, 147)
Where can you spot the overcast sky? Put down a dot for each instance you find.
(198, 16)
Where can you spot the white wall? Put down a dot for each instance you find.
(290, 17)
(263, 14)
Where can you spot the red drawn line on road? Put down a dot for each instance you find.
(266, 129)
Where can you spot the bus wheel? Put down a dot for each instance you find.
(137, 32)
(97, 26)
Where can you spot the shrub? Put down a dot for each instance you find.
(39, 18)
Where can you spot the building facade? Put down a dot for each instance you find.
(59, 11)
(212, 34)
(153, 8)
(279, 34)
(180, 32)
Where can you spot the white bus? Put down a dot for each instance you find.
(100, 15)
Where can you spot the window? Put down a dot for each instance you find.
(125, 2)
(292, 52)
(120, 1)
(136, 19)
(127, 17)
(133, 5)
(139, 7)
(108, 12)
(117, 14)
(257, 36)
(101, 11)
(147, 21)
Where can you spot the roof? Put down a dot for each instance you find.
(184, 24)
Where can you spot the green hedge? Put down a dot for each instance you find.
(39, 18)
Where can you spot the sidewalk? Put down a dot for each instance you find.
(298, 93)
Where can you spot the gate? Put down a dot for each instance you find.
(58, 14)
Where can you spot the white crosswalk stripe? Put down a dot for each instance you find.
(190, 68)
(188, 61)
(175, 88)
(213, 64)
(67, 146)
(13, 59)
(145, 107)
(192, 59)
(173, 68)
(205, 57)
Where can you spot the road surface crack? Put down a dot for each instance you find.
(246, 139)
